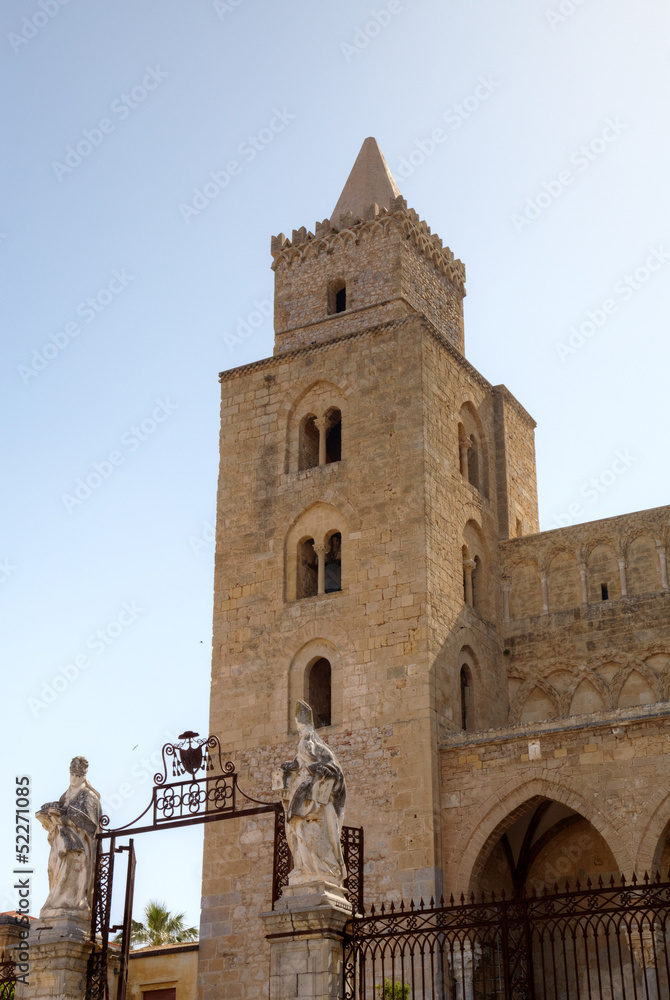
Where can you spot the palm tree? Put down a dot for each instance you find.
(160, 927)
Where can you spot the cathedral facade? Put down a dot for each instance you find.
(497, 696)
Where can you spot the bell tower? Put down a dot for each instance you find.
(367, 472)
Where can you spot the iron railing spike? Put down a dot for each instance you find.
(411, 904)
(556, 889)
(578, 885)
(646, 878)
(472, 898)
(462, 900)
(612, 883)
(402, 905)
(503, 895)
(442, 900)
(451, 900)
(634, 879)
(432, 903)
(658, 876)
(422, 905)
(600, 882)
(588, 882)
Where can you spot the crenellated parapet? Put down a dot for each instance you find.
(375, 221)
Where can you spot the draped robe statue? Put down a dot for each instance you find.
(71, 825)
(313, 793)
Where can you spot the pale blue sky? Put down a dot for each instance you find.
(517, 90)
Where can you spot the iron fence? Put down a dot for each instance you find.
(603, 942)
(7, 980)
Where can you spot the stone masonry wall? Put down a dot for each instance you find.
(569, 651)
(374, 631)
(612, 768)
(389, 266)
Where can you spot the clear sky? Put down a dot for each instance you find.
(532, 136)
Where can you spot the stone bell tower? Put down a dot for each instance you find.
(367, 473)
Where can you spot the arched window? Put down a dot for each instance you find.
(308, 569)
(466, 698)
(308, 445)
(333, 559)
(337, 296)
(333, 435)
(318, 691)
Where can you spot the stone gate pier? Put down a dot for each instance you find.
(305, 933)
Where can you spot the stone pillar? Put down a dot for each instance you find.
(585, 593)
(321, 571)
(622, 577)
(545, 593)
(305, 933)
(463, 447)
(662, 558)
(321, 427)
(58, 961)
(468, 566)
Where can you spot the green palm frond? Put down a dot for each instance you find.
(160, 926)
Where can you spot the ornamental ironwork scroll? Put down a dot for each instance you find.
(204, 788)
(604, 941)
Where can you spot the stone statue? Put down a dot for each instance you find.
(71, 824)
(313, 794)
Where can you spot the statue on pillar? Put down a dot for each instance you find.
(313, 794)
(71, 825)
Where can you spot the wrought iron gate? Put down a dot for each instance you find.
(195, 799)
(604, 942)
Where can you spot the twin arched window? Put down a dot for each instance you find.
(472, 454)
(320, 439)
(319, 568)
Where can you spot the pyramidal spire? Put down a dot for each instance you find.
(369, 183)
